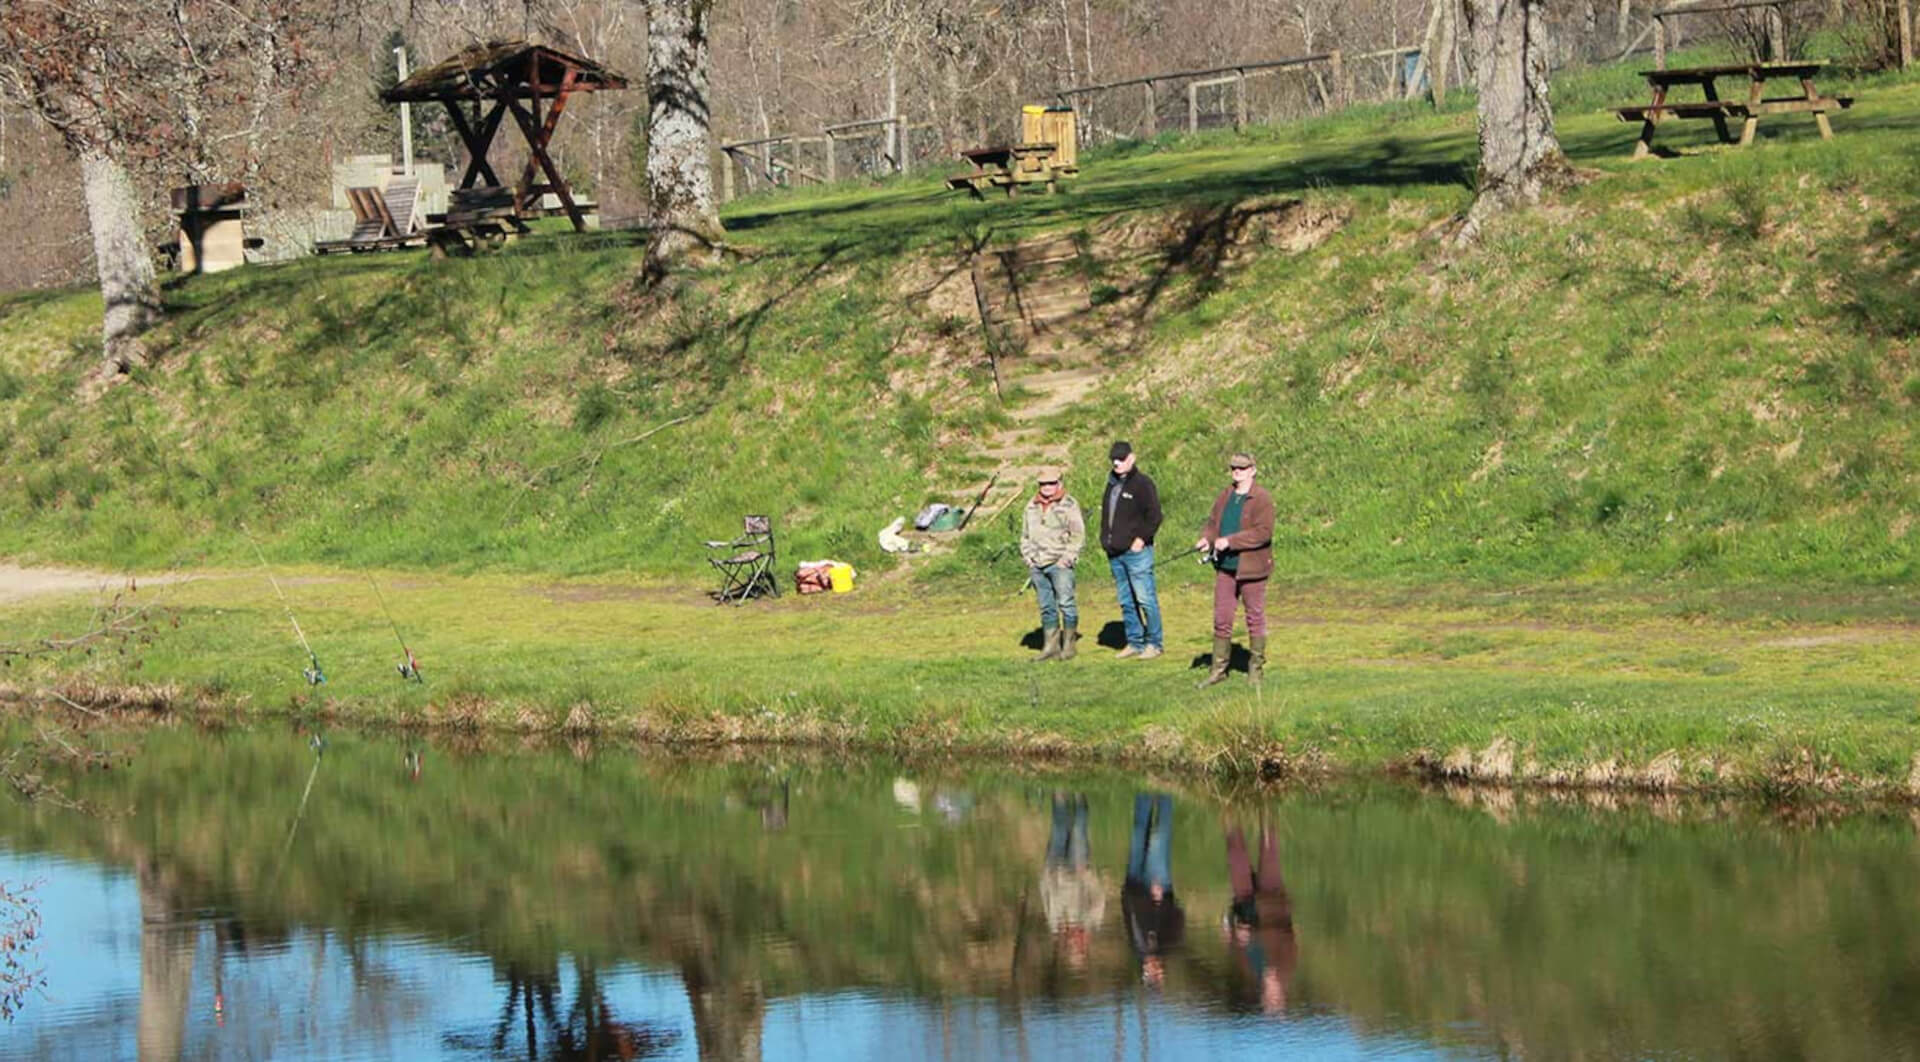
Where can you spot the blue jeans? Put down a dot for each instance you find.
(1139, 603)
(1149, 860)
(1053, 585)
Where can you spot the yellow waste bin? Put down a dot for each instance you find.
(840, 577)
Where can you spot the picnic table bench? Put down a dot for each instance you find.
(1010, 166)
(478, 218)
(384, 219)
(1750, 110)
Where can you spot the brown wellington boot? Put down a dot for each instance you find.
(1257, 664)
(1069, 633)
(1222, 656)
(1050, 647)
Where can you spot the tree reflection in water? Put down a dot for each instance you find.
(587, 1031)
(1019, 904)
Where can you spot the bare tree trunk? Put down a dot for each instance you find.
(266, 62)
(166, 970)
(188, 98)
(1623, 25)
(1519, 154)
(679, 132)
(729, 1014)
(1086, 29)
(120, 256)
(1066, 39)
(893, 140)
(1429, 52)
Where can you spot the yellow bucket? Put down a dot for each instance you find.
(840, 576)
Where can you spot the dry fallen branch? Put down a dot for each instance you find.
(113, 623)
(592, 460)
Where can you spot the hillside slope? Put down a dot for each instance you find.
(1702, 365)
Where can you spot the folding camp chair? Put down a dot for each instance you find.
(748, 570)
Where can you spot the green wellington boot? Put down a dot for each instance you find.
(1069, 634)
(1050, 645)
(1222, 656)
(1257, 665)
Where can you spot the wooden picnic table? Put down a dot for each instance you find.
(1011, 165)
(1757, 104)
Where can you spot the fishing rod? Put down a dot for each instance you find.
(319, 746)
(409, 668)
(311, 672)
(1206, 556)
(975, 507)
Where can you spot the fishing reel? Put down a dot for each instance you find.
(313, 674)
(409, 668)
(1206, 557)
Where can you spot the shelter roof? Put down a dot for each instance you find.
(495, 68)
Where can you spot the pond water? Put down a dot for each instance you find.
(250, 895)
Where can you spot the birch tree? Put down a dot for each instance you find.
(1519, 154)
(679, 133)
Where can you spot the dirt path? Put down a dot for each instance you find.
(19, 584)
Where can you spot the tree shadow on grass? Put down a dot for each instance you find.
(1196, 179)
(1879, 294)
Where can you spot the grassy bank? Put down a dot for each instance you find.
(1632, 687)
(1697, 367)
(1625, 494)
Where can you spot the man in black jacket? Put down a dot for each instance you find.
(1129, 518)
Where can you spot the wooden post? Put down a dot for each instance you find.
(1153, 112)
(1659, 42)
(478, 142)
(726, 176)
(904, 163)
(1906, 34)
(538, 134)
(832, 171)
(1399, 79)
(1193, 106)
(1338, 74)
(1240, 99)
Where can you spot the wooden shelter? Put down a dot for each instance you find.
(531, 82)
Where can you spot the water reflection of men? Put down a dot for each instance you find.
(1155, 922)
(1071, 891)
(1259, 923)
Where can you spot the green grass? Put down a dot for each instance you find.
(1690, 383)
(1360, 681)
(1700, 366)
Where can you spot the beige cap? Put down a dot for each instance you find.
(1047, 474)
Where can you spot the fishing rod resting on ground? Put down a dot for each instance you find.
(409, 667)
(312, 672)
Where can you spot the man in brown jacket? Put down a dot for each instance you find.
(1240, 536)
